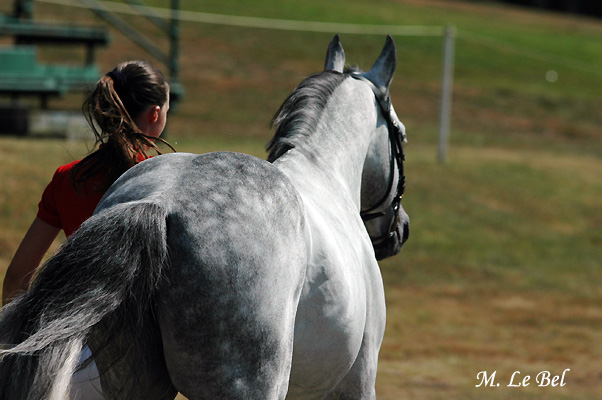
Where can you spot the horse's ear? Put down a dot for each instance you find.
(335, 56)
(381, 73)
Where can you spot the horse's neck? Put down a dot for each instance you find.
(332, 158)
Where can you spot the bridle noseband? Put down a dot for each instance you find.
(396, 138)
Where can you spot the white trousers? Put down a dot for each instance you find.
(85, 384)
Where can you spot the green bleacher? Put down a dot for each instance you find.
(22, 74)
(30, 32)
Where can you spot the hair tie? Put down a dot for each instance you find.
(117, 77)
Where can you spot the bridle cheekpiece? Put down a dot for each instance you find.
(396, 137)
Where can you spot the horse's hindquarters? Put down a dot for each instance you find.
(237, 265)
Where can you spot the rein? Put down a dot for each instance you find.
(396, 138)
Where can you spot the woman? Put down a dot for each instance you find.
(127, 112)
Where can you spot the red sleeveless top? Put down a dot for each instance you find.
(62, 206)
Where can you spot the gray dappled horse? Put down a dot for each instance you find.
(224, 276)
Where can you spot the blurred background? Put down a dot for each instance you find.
(502, 271)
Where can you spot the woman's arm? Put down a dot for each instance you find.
(32, 249)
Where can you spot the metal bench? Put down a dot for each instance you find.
(20, 74)
(31, 32)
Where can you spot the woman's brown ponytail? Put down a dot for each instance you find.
(111, 109)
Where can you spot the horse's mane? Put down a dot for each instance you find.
(300, 113)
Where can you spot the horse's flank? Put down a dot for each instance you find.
(247, 279)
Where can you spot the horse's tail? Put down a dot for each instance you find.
(111, 265)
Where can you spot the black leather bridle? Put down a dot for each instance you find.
(396, 138)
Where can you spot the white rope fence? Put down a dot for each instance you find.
(528, 52)
(255, 22)
(449, 35)
(332, 27)
(305, 26)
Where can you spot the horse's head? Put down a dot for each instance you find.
(383, 179)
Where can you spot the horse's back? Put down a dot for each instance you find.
(237, 257)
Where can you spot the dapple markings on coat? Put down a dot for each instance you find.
(225, 276)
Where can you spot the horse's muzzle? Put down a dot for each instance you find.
(392, 245)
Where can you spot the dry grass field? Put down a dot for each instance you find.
(502, 272)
